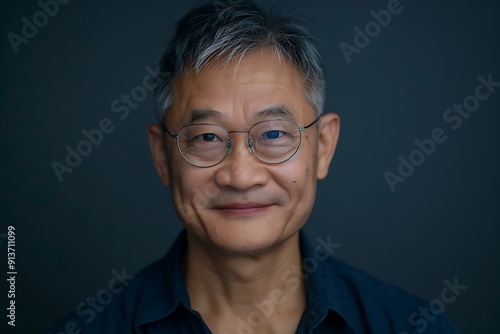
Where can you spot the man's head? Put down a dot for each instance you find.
(221, 31)
(235, 67)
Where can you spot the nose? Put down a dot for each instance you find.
(241, 170)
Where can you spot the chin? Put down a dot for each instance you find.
(242, 251)
(245, 238)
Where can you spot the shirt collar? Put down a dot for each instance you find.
(326, 295)
(165, 288)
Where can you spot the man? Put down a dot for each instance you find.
(241, 143)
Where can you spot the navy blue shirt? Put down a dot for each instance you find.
(340, 299)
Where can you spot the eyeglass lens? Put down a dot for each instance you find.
(270, 141)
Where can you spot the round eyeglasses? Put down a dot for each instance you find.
(271, 141)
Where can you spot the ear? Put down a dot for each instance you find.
(158, 152)
(329, 128)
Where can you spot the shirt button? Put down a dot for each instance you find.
(313, 313)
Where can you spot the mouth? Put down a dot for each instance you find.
(243, 209)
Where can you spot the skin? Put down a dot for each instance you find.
(243, 216)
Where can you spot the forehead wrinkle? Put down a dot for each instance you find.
(266, 93)
(197, 115)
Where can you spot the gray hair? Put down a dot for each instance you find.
(226, 30)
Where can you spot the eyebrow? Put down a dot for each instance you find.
(203, 114)
(277, 110)
(274, 111)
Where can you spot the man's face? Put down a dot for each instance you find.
(243, 205)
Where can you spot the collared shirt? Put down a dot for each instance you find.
(340, 299)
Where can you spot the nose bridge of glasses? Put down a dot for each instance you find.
(248, 141)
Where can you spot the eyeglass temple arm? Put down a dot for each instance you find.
(302, 128)
(175, 136)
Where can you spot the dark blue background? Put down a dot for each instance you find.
(112, 212)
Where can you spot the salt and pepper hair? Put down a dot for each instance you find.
(225, 30)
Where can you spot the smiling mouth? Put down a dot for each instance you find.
(235, 209)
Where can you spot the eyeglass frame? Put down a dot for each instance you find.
(249, 141)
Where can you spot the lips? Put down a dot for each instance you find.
(243, 208)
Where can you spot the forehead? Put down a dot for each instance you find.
(247, 86)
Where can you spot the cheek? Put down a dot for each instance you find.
(192, 190)
(299, 183)
(297, 178)
(180, 181)
(301, 175)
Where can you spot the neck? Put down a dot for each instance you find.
(223, 287)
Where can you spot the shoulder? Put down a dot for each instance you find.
(376, 305)
(114, 308)
(359, 283)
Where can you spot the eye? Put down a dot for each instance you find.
(208, 137)
(272, 134)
